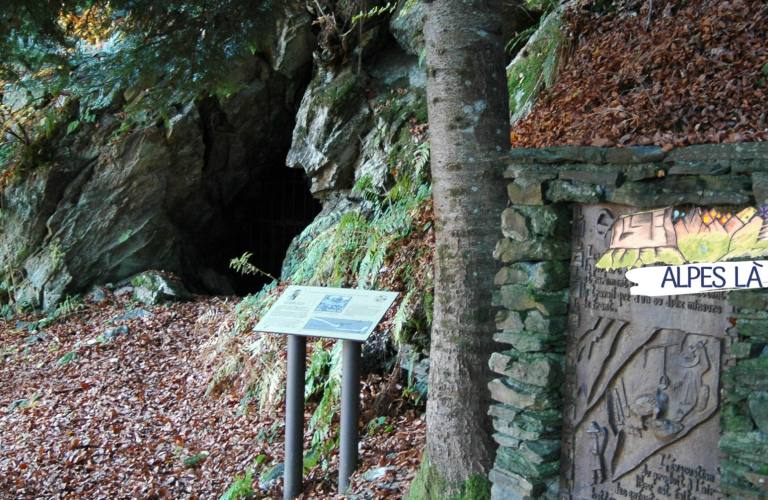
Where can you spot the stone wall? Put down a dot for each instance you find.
(532, 294)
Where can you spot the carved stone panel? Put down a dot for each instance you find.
(642, 377)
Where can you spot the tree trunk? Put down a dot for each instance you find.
(469, 133)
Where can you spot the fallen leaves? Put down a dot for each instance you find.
(696, 76)
(127, 417)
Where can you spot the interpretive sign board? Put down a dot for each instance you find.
(642, 373)
(339, 313)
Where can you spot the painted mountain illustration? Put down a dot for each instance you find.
(673, 237)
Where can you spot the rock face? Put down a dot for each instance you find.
(348, 123)
(159, 198)
(175, 196)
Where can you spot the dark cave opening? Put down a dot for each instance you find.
(268, 213)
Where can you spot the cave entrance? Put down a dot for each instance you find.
(272, 210)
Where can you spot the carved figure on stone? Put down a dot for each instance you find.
(603, 225)
(596, 449)
(692, 391)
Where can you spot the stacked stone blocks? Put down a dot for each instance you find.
(532, 296)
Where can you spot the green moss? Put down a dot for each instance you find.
(147, 281)
(430, 485)
(338, 91)
(536, 65)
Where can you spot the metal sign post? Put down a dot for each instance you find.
(340, 313)
(294, 416)
(350, 411)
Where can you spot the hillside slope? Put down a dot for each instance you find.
(696, 74)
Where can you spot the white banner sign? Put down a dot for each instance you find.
(339, 313)
(698, 278)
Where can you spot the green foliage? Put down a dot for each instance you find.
(195, 460)
(320, 423)
(375, 11)
(68, 306)
(92, 53)
(67, 358)
(241, 488)
(243, 266)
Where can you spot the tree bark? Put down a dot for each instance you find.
(469, 133)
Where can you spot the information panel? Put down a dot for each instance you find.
(338, 313)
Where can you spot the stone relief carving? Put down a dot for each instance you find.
(642, 380)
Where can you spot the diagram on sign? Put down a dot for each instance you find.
(337, 325)
(334, 303)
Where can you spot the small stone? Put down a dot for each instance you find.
(509, 320)
(536, 249)
(501, 363)
(123, 291)
(526, 192)
(548, 220)
(600, 178)
(530, 342)
(756, 328)
(760, 187)
(503, 412)
(133, 314)
(756, 300)
(641, 172)
(152, 289)
(759, 480)
(378, 473)
(499, 492)
(536, 370)
(97, 295)
(515, 482)
(272, 476)
(522, 396)
(736, 418)
(543, 450)
(578, 192)
(723, 151)
(506, 440)
(522, 434)
(635, 154)
(686, 168)
(514, 298)
(510, 275)
(758, 406)
(743, 350)
(114, 332)
(750, 445)
(537, 322)
(513, 461)
(513, 225)
(38, 337)
(551, 303)
(552, 276)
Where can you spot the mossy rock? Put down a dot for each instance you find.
(153, 289)
(536, 65)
